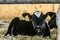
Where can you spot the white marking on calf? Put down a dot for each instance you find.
(38, 26)
(37, 13)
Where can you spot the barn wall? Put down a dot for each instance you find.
(9, 11)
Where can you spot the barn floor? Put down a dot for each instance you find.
(3, 29)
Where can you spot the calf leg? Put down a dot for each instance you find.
(14, 32)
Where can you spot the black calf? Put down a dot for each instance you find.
(22, 27)
(36, 25)
(39, 23)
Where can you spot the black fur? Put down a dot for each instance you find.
(52, 22)
(44, 28)
(20, 27)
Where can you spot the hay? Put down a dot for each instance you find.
(3, 30)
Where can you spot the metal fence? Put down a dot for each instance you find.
(29, 1)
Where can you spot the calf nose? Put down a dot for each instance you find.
(38, 30)
(39, 34)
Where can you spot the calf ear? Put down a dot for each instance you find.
(26, 14)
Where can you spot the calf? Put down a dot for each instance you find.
(39, 23)
(22, 27)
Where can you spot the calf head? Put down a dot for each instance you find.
(37, 19)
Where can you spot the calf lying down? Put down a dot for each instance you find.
(22, 27)
(18, 26)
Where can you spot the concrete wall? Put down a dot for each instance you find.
(9, 11)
